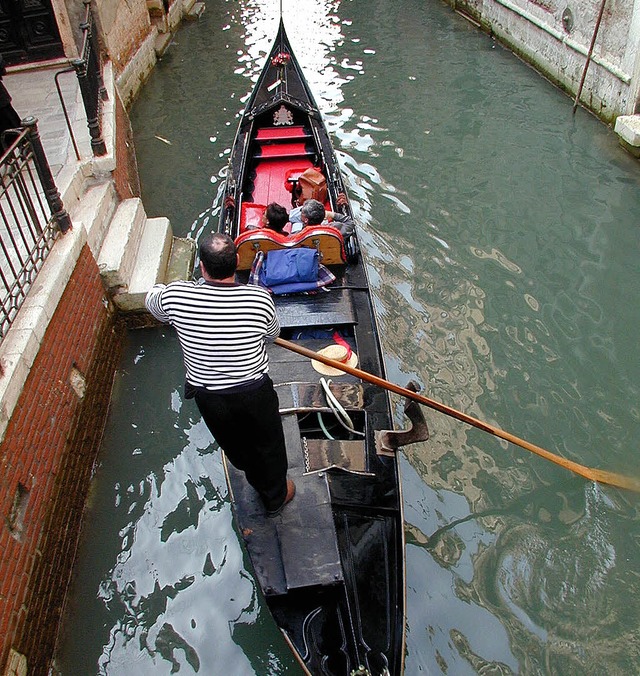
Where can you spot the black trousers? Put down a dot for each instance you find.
(248, 428)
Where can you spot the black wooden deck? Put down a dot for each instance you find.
(298, 548)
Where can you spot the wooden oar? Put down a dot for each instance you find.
(598, 475)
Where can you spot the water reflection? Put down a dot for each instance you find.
(491, 338)
(173, 591)
(175, 548)
(553, 583)
(446, 637)
(314, 29)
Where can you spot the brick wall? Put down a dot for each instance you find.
(47, 457)
(125, 175)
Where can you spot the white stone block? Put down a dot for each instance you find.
(628, 129)
(95, 210)
(119, 251)
(52, 279)
(151, 264)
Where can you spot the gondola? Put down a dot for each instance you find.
(331, 564)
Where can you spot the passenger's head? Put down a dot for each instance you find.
(276, 217)
(218, 255)
(312, 212)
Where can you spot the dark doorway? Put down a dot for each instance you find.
(28, 31)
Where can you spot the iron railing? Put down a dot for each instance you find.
(31, 216)
(89, 70)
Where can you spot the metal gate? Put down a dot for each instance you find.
(28, 31)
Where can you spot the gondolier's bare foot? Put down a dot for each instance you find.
(291, 491)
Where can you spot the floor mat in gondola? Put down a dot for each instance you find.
(321, 454)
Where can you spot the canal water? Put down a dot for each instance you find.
(501, 234)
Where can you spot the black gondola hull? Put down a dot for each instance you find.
(331, 565)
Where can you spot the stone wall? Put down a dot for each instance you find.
(126, 34)
(47, 458)
(128, 37)
(135, 73)
(124, 26)
(555, 37)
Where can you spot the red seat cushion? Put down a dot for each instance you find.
(282, 150)
(251, 215)
(281, 133)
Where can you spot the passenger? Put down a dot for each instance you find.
(295, 219)
(313, 212)
(222, 327)
(275, 217)
(295, 216)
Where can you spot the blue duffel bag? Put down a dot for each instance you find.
(290, 266)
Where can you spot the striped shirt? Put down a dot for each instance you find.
(221, 329)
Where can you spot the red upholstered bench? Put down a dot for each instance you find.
(283, 133)
(270, 182)
(296, 149)
(325, 238)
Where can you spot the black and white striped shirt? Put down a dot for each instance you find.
(221, 328)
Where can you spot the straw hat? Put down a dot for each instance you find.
(337, 353)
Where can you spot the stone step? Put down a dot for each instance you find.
(95, 210)
(183, 254)
(72, 184)
(119, 252)
(162, 42)
(195, 12)
(150, 266)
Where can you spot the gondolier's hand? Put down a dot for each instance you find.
(229, 202)
(342, 200)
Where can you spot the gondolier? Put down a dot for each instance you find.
(222, 327)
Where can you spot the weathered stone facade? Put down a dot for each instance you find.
(129, 38)
(555, 36)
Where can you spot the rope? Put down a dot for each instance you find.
(341, 415)
(324, 429)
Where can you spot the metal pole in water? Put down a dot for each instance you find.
(586, 65)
